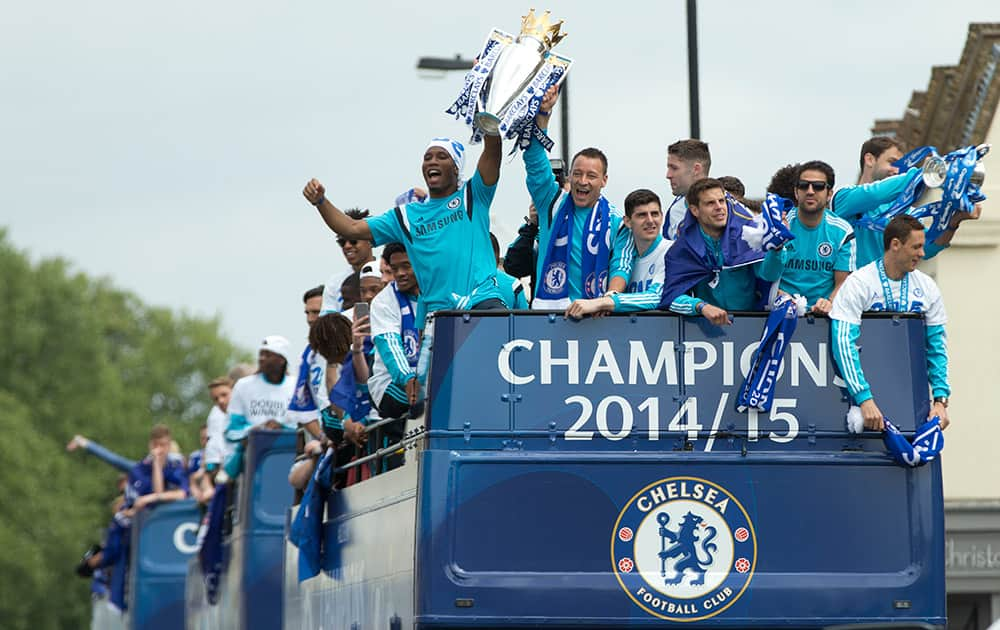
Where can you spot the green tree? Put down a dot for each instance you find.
(81, 356)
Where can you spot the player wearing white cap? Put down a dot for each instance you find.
(260, 400)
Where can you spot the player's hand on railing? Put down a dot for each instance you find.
(872, 415)
(314, 192)
(716, 315)
(822, 307)
(355, 432)
(412, 391)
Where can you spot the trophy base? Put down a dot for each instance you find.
(488, 123)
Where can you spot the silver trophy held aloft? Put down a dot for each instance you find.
(519, 63)
(504, 90)
(935, 172)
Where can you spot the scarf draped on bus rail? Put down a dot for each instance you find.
(306, 531)
(116, 555)
(757, 391)
(211, 553)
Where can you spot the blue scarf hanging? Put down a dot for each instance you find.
(306, 531)
(757, 391)
(924, 447)
(212, 552)
(116, 555)
(302, 406)
(553, 284)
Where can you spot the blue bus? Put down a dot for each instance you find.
(250, 587)
(596, 474)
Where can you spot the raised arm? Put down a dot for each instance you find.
(541, 182)
(106, 455)
(854, 201)
(336, 220)
(489, 161)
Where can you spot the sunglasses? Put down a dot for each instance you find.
(345, 241)
(817, 186)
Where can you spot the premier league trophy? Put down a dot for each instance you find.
(504, 90)
(947, 185)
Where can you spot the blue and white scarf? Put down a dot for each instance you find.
(347, 393)
(768, 230)
(958, 194)
(690, 261)
(302, 407)
(408, 329)
(757, 391)
(924, 447)
(306, 530)
(553, 283)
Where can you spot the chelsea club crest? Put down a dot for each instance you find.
(684, 549)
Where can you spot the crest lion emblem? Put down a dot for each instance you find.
(684, 549)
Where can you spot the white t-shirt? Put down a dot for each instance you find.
(862, 292)
(386, 317)
(255, 401)
(333, 301)
(675, 213)
(217, 449)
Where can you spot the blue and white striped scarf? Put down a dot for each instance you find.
(595, 257)
(757, 391)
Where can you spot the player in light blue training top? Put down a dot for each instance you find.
(581, 240)
(447, 235)
(822, 255)
(644, 218)
(876, 191)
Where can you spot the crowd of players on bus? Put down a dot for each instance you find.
(578, 253)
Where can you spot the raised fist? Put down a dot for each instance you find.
(314, 192)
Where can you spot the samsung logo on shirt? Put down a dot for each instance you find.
(434, 226)
(809, 265)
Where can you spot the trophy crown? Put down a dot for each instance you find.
(542, 28)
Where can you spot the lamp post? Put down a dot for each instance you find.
(692, 33)
(446, 64)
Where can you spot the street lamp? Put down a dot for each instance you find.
(445, 64)
(692, 32)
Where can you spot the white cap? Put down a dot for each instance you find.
(276, 344)
(370, 270)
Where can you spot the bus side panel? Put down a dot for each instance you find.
(261, 527)
(368, 537)
(164, 539)
(833, 538)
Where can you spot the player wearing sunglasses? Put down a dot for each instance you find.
(823, 253)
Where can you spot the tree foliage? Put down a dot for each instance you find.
(78, 355)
